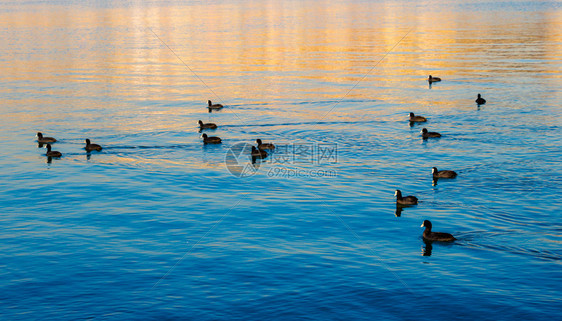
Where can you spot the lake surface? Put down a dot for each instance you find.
(157, 226)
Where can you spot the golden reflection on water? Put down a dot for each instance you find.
(73, 58)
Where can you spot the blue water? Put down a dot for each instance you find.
(156, 226)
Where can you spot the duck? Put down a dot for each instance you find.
(480, 100)
(214, 106)
(207, 125)
(414, 118)
(443, 173)
(433, 79)
(211, 140)
(435, 236)
(426, 134)
(90, 147)
(52, 153)
(408, 200)
(263, 146)
(43, 140)
(258, 153)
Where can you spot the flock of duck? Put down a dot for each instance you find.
(44, 140)
(261, 152)
(428, 234)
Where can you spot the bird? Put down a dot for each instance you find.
(414, 118)
(207, 125)
(263, 146)
(211, 140)
(214, 106)
(408, 200)
(435, 236)
(90, 147)
(433, 79)
(42, 140)
(443, 173)
(480, 100)
(258, 153)
(426, 134)
(52, 153)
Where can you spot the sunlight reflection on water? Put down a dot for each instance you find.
(90, 235)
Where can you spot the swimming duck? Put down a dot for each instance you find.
(414, 118)
(263, 146)
(408, 200)
(433, 79)
(426, 134)
(435, 236)
(214, 106)
(443, 173)
(211, 140)
(258, 153)
(207, 125)
(52, 153)
(90, 147)
(44, 140)
(480, 100)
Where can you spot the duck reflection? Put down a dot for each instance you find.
(398, 211)
(49, 159)
(400, 208)
(256, 160)
(427, 248)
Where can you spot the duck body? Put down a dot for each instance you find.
(479, 100)
(207, 125)
(258, 153)
(44, 140)
(433, 79)
(443, 173)
(264, 146)
(211, 140)
(419, 119)
(52, 153)
(214, 106)
(435, 236)
(426, 134)
(407, 200)
(90, 147)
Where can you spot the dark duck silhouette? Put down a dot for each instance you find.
(426, 134)
(207, 125)
(263, 146)
(480, 100)
(418, 119)
(443, 173)
(258, 153)
(407, 200)
(211, 140)
(214, 106)
(52, 153)
(433, 79)
(435, 236)
(90, 147)
(44, 140)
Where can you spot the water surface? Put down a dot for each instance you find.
(156, 227)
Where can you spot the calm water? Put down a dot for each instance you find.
(156, 227)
